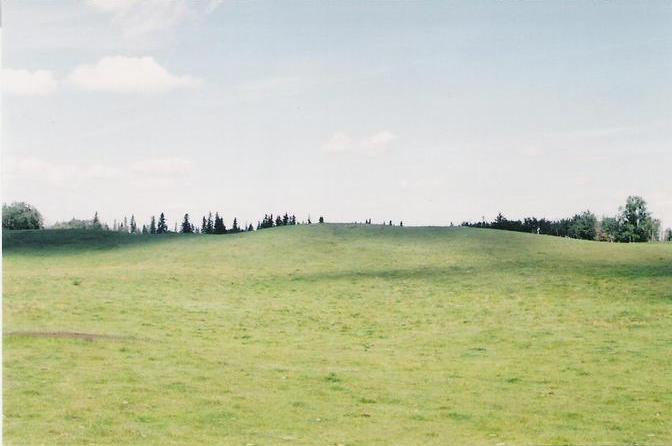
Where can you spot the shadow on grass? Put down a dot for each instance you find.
(61, 241)
(571, 271)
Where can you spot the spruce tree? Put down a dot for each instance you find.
(285, 219)
(162, 227)
(144, 229)
(96, 221)
(321, 219)
(219, 227)
(278, 221)
(204, 226)
(250, 228)
(186, 226)
(210, 225)
(152, 226)
(235, 227)
(134, 226)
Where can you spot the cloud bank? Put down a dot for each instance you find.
(28, 83)
(373, 145)
(137, 18)
(120, 74)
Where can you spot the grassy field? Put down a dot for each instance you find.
(336, 335)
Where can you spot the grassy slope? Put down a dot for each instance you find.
(335, 334)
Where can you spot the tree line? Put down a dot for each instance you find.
(20, 215)
(633, 223)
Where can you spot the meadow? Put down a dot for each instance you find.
(335, 335)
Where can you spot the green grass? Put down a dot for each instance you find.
(337, 334)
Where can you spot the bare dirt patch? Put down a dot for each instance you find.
(66, 335)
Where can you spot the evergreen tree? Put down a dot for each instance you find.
(144, 229)
(219, 227)
(235, 227)
(285, 219)
(250, 228)
(162, 227)
(134, 226)
(210, 227)
(186, 226)
(292, 220)
(321, 220)
(309, 222)
(401, 223)
(278, 221)
(152, 226)
(96, 221)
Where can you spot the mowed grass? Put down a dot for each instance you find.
(336, 335)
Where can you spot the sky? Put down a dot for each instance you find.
(429, 112)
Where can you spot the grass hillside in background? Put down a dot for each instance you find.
(336, 334)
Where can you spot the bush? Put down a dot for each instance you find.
(20, 215)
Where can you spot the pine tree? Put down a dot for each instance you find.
(204, 226)
(278, 221)
(219, 227)
(235, 227)
(285, 219)
(144, 229)
(96, 221)
(292, 220)
(210, 226)
(186, 226)
(162, 227)
(250, 228)
(321, 219)
(134, 226)
(401, 223)
(152, 226)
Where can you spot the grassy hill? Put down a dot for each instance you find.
(336, 334)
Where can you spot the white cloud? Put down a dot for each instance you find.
(163, 166)
(57, 173)
(338, 142)
(128, 75)
(375, 144)
(137, 18)
(262, 88)
(27, 83)
(379, 142)
(73, 173)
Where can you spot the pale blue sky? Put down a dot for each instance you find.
(427, 112)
